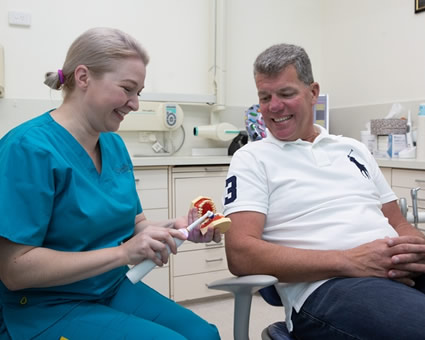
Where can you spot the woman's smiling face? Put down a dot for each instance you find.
(116, 93)
(286, 104)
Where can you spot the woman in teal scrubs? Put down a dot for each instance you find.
(71, 221)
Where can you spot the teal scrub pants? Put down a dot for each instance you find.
(135, 312)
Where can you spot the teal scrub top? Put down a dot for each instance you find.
(52, 196)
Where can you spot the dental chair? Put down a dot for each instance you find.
(244, 287)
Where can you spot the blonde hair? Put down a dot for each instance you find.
(96, 48)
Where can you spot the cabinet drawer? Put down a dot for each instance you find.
(159, 279)
(408, 178)
(195, 286)
(189, 185)
(152, 187)
(155, 214)
(187, 189)
(153, 198)
(199, 261)
(151, 179)
(186, 246)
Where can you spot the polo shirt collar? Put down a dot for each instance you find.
(323, 136)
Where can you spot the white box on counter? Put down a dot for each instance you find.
(389, 146)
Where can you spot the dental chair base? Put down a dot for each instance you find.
(243, 288)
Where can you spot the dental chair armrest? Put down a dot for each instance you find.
(243, 287)
(242, 284)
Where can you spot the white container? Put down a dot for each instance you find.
(396, 144)
(369, 140)
(420, 134)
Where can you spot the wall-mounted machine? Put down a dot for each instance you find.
(221, 132)
(153, 116)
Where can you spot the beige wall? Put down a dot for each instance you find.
(364, 53)
(374, 52)
(175, 33)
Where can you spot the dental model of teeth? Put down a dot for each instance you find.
(204, 204)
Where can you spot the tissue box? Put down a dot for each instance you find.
(388, 126)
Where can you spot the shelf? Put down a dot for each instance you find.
(178, 98)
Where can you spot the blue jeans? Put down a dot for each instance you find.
(363, 308)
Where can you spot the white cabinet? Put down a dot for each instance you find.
(152, 187)
(387, 174)
(402, 180)
(191, 182)
(166, 192)
(197, 264)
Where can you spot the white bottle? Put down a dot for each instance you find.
(420, 134)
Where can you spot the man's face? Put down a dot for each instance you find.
(286, 104)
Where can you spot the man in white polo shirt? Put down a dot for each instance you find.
(315, 211)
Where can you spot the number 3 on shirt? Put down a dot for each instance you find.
(230, 190)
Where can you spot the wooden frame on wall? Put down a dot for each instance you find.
(419, 6)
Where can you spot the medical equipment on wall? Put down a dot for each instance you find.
(1, 72)
(153, 116)
(222, 131)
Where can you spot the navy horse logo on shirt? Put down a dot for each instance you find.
(361, 167)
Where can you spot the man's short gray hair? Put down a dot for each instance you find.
(276, 58)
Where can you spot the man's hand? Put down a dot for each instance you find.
(408, 258)
(370, 259)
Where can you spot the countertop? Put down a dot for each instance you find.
(180, 160)
(411, 164)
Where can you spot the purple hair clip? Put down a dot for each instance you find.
(61, 77)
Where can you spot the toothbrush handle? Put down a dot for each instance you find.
(140, 270)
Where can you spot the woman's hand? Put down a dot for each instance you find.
(151, 240)
(195, 234)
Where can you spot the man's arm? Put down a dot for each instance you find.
(248, 254)
(392, 211)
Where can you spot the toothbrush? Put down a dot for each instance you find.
(140, 270)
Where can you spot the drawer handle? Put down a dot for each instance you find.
(214, 169)
(214, 260)
(420, 180)
(214, 244)
(137, 180)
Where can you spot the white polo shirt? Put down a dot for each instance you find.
(322, 195)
